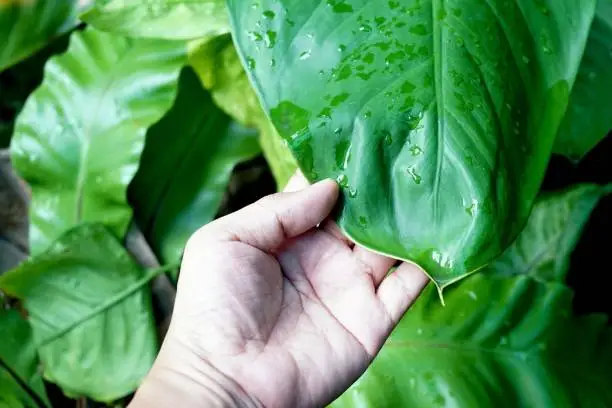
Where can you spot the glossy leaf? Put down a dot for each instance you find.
(437, 118)
(170, 19)
(589, 117)
(543, 248)
(219, 68)
(80, 135)
(20, 380)
(499, 342)
(26, 26)
(89, 306)
(185, 168)
(504, 339)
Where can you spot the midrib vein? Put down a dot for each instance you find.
(438, 58)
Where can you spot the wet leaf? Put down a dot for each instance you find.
(437, 118)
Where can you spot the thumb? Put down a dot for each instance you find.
(269, 222)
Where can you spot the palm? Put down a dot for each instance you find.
(296, 325)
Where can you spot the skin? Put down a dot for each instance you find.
(276, 308)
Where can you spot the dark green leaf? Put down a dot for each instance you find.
(26, 26)
(437, 118)
(19, 363)
(589, 117)
(543, 249)
(221, 72)
(185, 168)
(80, 135)
(170, 19)
(499, 342)
(503, 339)
(89, 306)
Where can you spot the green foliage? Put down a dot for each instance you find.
(439, 129)
(217, 63)
(437, 119)
(19, 376)
(185, 168)
(501, 341)
(26, 26)
(90, 309)
(159, 18)
(589, 117)
(79, 137)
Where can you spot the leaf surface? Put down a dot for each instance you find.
(26, 26)
(89, 306)
(80, 135)
(219, 68)
(589, 116)
(437, 118)
(19, 376)
(185, 168)
(504, 339)
(169, 19)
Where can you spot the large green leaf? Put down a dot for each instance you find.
(19, 376)
(89, 306)
(504, 339)
(219, 68)
(437, 117)
(185, 168)
(589, 117)
(543, 248)
(170, 19)
(27, 25)
(79, 138)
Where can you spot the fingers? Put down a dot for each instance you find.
(377, 264)
(269, 222)
(400, 289)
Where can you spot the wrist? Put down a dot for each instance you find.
(181, 378)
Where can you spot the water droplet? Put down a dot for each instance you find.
(269, 14)
(325, 113)
(526, 59)
(290, 22)
(416, 150)
(255, 36)
(352, 193)
(393, 4)
(270, 39)
(305, 55)
(387, 138)
(363, 221)
(367, 114)
(419, 332)
(419, 29)
(503, 341)
(415, 177)
(338, 131)
(592, 76)
(472, 295)
(365, 28)
(251, 64)
(342, 180)
(339, 6)
(272, 62)
(472, 209)
(342, 48)
(338, 99)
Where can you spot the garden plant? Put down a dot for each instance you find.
(129, 124)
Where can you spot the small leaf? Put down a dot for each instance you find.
(589, 116)
(18, 354)
(543, 249)
(438, 118)
(170, 19)
(185, 168)
(89, 306)
(219, 68)
(26, 26)
(80, 135)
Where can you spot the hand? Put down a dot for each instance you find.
(274, 311)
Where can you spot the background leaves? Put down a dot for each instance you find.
(170, 19)
(79, 137)
(90, 309)
(185, 168)
(589, 117)
(26, 26)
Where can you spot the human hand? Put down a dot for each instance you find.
(274, 311)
